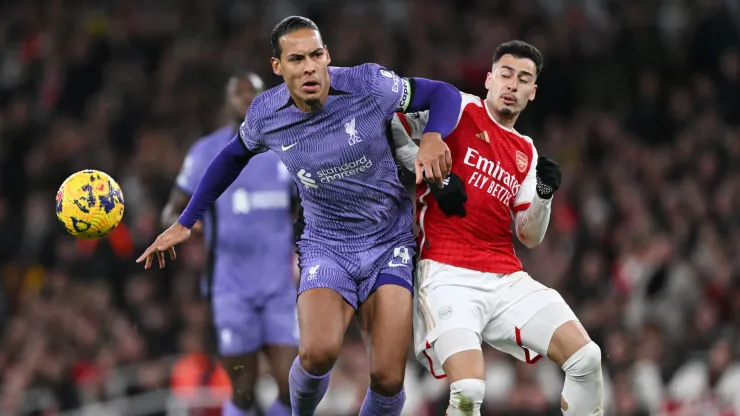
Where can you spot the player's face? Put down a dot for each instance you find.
(511, 84)
(303, 65)
(240, 93)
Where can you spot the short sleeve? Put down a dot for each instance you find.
(527, 191)
(192, 169)
(249, 133)
(391, 92)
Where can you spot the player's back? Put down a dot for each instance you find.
(341, 161)
(497, 167)
(248, 231)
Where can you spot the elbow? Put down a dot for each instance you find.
(530, 241)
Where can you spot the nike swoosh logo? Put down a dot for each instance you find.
(284, 147)
(392, 264)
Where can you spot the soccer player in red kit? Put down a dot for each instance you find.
(469, 283)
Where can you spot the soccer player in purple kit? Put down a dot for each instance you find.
(328, 125)
(248, 277)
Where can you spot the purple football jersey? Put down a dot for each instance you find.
(358, 214)
(248, 231)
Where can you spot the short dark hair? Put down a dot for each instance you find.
(520, 49)
(288, 25)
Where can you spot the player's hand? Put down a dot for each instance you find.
(166, 241)
(451, 199)
(434, 160)
(548, 177)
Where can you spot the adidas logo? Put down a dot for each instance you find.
(483, 136)
(306, 180)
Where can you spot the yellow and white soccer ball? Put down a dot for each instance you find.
(89, 204)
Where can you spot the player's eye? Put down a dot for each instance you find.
(506, 75)
(524, 80)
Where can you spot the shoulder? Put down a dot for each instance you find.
(362, 71)
(353, 78)
(268, 102)
(470, 100)
(528, 140)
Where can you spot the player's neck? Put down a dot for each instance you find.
(309, 106)
(505, 120)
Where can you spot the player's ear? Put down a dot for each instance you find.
(489, 78)
(328, 57)
(276, 69)
(534, 92)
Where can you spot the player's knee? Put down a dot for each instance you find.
(584, 364)
(319, 358)
(467, 394)
(387, 382)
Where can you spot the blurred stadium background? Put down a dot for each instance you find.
(639, 102)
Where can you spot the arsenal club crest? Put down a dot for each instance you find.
(521, 161)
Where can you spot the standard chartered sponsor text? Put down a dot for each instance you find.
(344, 170)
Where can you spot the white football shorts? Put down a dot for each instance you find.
(494, 306)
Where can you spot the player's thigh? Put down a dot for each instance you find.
(238, 324)
(568, 337)
(528, 321)
(459, 351)
(327, 300)
(323, 316)
(448, 299)
(385, 320)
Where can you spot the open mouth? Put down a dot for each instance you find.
(311, 86)
(508, 99)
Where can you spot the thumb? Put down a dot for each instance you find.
(417, 165)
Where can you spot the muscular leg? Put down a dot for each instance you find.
(242, 370)
(323, 316)
(580, 358)
(385, 319)
(281, 358)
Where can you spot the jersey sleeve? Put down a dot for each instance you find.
(404, 129)
(192, 169)
(529, 187)
(249, 131)
(391, 92)
(413, 123)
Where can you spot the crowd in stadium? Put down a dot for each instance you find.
(638, 102)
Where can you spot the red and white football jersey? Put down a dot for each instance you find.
(497, 166)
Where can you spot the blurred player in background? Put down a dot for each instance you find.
(329, 125)
(249, 236)
(470, 284)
